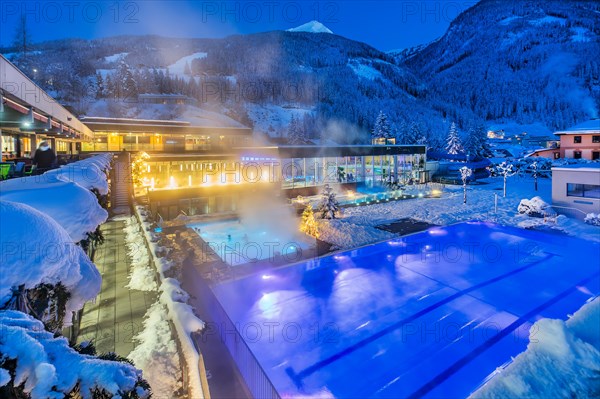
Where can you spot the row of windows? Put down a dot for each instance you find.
(577, 139)
(583, 190)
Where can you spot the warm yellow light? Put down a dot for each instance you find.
(190, 180)
(172, 183)
(152, 183)
(436, 192)
(350, 193)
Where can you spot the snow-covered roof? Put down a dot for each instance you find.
(585, 167)
(312, 27)
(591, 126)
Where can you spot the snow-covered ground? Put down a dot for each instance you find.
(178, 67)
(357, 227)
(362, 69)
(562, 360)
(271, 119)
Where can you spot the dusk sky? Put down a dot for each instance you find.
(385, 25)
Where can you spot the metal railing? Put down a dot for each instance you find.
(257, 381)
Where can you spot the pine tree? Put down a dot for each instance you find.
(22, 43)
(99, 86)
(381, 130)
(413, 134)
(476, 142)
(186, 69)
(453, 143)
(296, 135)
(329, 205)
(309, 224)
(109, 90)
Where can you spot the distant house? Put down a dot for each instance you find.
(580, 142)
(576, 189)
(179, 99)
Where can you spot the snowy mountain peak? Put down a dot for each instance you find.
(312, 27)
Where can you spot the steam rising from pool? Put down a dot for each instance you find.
(263, 212)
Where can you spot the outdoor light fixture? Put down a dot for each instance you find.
(29, 118)
(1, 103)
(48, 124)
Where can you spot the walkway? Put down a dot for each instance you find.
(118, 313)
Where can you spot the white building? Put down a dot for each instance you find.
(576, 189)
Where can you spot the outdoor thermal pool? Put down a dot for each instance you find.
(431, 314)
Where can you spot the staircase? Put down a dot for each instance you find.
(121, 185)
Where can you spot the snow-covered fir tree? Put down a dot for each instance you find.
(296, 134)
(309, 224)
(453, 143)
(476, 142)
(99, 85)
(382, 129)
(329, 206)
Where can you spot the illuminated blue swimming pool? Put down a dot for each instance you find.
(432, 314)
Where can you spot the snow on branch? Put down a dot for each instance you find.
(46, 367)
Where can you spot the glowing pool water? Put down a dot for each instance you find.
(236, 244)
(432, 314)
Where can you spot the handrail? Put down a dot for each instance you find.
(569, 207)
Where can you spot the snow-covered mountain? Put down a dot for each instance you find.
(515, 61)
(312, 27)
(503, 63)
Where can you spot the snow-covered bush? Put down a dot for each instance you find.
(593, 219)
(36, 364)
(75, 208)
(38, 255)
(535, 207)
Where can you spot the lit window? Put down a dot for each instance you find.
(577, 139)
(595, 139)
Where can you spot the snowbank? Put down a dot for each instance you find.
(36, 249)
(142, 276)
(593, 219)
(75, 208)
(561, 360)
(185, 321)
(64, 194)
(88, 176)
(49, 368)
(156, 353)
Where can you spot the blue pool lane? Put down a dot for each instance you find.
(428, 315)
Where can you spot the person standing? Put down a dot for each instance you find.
(44, 157)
